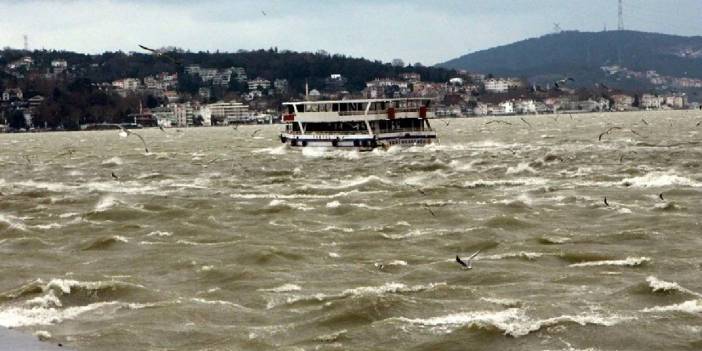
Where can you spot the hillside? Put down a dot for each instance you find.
(583, 54)
(296, 67)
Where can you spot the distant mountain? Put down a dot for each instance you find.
(582, 55)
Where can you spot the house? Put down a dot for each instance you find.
(622, 102)
(12, 94)
(649, 101)
(228, 112)
(411, 77)
(496, 85)
(335, 83)
(259, 84)
(280, 85)
(130, 84)
(525, 106)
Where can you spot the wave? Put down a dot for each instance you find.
(691, 307)
(659, 179)
(12, 222)
(522, 254)
(113, 161)
(521, 168)
(14, 317)
(513, 322)
(104, 242)
(387, 288)
(279, 150)
(658, 285)
(628, 262)
(504, 183)
(283, 288)
(503, 302)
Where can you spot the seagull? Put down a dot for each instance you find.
(115, 176)
(560, 82)
(236, 126)
(161, 128)
(605, 202)
(446, 122)
(467, 264)
(698, 124)
(254, 133)
(607, 132)
(124, 132)
(644, 121)
(661, 196)
(160, 53)
(263, 12)
(525, 121)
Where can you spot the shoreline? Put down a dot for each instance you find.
(530, 115)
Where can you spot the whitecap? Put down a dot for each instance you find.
(283, 288)
(513, 321)
(629, 262)
(280, 150)
(14, 317)
(520, 168)
(333, 204)
(660, 179)
(113, 161)
(658, 285)
(160, 233)
(691, 306)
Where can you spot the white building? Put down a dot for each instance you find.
(259, 82)
(496, 85)
(229, 112)
(130, 84)
(205, 113)
(505, 107)
(525, 106)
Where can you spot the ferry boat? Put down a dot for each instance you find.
(362, 124)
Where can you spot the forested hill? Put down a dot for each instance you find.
(582, 54)
(271, 64)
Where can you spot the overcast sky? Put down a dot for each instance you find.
(415, 31)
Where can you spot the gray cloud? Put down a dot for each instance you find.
(424, 31)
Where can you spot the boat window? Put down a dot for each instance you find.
(335, 107)
(343, 107)
(291, 109)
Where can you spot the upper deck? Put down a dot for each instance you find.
(357, 110)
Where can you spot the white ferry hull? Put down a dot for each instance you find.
(363, 142)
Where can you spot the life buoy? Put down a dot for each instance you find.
(304, 143)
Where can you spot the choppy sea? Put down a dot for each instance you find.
(222, 239)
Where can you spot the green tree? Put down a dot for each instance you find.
(17, 120)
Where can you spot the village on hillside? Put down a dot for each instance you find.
(206, 96)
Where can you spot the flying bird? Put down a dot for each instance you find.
(605, 202)
(263, 12)
(661, 196)
(124, 132)
(255, 132)
(115, 176)
(525, 121)
(563, 81)
(607, 132)
(644, 121)
(161, 53)
(161, 128)
(467, 264)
